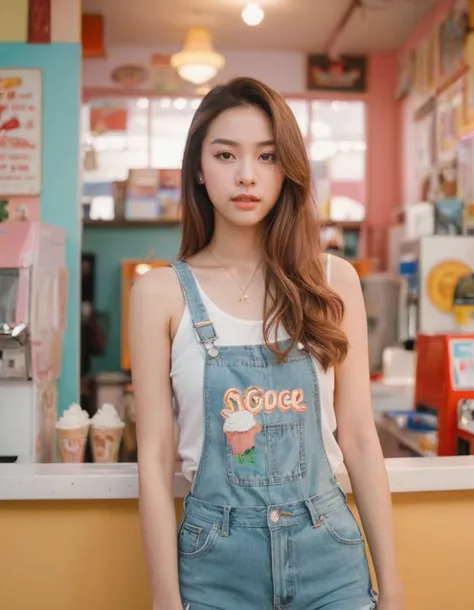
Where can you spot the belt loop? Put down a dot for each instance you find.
(226, 521)
(313, 513)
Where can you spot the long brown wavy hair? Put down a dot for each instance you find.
(302, 301)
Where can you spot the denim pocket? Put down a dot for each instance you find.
(278, 457)
(342, 526)
(196, 537)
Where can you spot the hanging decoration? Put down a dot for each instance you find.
(198, 62)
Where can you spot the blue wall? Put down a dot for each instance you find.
(111, 245)
(61, 67)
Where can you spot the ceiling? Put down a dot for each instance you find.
(291, 25)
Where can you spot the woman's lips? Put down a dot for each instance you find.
(246, 202)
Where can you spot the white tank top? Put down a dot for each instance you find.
(187, 377)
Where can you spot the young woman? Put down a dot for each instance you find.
(261, 341)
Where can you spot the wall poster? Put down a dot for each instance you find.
(20, 131)
(346, 73)
(425, 150)
(452, 33)
(449, 121)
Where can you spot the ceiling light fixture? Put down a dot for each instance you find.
(253, 14)
(197, 62)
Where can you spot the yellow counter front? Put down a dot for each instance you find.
(70, 535)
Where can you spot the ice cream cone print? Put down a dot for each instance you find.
(240, 429)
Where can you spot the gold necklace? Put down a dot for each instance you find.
(244, 297)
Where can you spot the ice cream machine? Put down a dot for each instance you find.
(33, 297)
(445, 383)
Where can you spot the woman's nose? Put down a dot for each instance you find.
(246, 175)
(246, 181)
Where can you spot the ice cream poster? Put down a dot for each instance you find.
(20, 131)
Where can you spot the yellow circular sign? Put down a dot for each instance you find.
(441, 283)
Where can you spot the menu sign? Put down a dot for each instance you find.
(20, 131)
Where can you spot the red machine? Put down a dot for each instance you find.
(444, 377)
(465, 442)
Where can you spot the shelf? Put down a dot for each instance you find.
(122, 223)
(407, 438)
(353, 225)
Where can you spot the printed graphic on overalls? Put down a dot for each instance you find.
(241, 426)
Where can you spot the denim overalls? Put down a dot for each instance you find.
(266, 526)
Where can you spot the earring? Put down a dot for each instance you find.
(200, 179)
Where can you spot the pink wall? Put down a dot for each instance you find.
(383, 163)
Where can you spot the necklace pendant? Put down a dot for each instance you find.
(244, 299)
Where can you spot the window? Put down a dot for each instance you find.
(123, 134)
(170, 121)
(338, 136)
(115, 131)
(301, 110)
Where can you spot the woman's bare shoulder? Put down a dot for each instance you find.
(158, 294)
(158, 281)
(344, 278)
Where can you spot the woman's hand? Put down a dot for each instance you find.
(393, 600)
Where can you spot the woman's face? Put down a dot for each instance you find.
(240, 166)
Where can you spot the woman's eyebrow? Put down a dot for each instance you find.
(227, 142)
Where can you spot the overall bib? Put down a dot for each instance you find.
(266, 526)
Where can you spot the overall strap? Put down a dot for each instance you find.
(202, 324)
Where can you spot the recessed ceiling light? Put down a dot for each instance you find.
(252, 14)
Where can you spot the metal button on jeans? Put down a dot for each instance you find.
(275, 516)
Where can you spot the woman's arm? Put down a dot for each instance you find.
(358, 438)
(150, 344)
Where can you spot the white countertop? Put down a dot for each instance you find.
(119, 481)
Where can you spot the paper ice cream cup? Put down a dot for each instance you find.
(105, 443)
(106, 434)
(72, 443)
(72, 430)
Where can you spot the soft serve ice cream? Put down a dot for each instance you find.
(73, 429)
(106, 434)
(73, 417)
(107, 417)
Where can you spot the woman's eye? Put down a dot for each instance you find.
(225, 155)
(268, 156)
